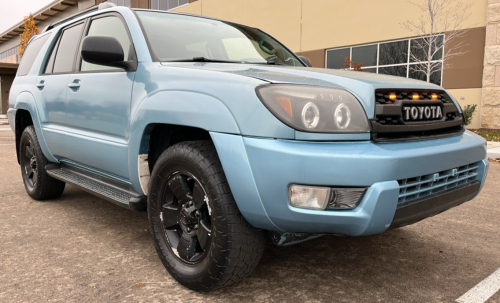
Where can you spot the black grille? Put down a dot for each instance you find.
(389, 122)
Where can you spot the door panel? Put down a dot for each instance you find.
(98, 113)
(51, 96)
(98, 105)
(52, 90)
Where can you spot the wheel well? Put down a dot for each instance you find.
(162, 136)
(23, 120)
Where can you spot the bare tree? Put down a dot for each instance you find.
(438, 17)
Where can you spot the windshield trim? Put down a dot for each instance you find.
(154, 58)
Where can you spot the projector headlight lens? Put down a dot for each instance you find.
(315, 109)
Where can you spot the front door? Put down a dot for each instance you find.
(98, 105)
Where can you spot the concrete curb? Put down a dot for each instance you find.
(493, 149)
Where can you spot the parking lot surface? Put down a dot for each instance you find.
(82, 248)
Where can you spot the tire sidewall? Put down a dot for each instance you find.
(194, 274)
(29, 134)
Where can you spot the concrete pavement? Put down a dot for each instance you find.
(82, 248)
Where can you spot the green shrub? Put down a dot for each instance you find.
(469, 112)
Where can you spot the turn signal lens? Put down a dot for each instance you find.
(434, 96)
(392, 97)
(415, 97)
(286, 104)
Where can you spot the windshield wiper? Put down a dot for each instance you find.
(203, 59)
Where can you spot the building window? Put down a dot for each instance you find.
(120, 2)
(166, 5)
(389, 58)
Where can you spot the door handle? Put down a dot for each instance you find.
(41, 84)
(75, 84)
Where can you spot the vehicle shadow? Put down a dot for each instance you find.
(369, 266)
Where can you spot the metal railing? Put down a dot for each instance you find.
(10, 52)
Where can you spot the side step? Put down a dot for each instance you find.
(114, 191)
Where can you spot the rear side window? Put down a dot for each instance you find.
(30, 55)
(66, 50)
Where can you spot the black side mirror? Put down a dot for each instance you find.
(305, 60)
(105, 50)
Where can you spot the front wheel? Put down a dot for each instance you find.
(200, 235)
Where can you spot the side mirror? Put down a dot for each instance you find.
(305, 60)
(105, 50)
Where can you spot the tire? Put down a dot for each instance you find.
(39, 185)
(200, 235)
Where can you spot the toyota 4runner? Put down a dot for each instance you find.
(227, 137)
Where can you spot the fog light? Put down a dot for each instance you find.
(311, 197)
(345, 198)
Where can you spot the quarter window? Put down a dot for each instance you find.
(113, 27)
(389, 58)
(66, 50)
(30, 55)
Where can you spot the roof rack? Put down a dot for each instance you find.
(86, 11)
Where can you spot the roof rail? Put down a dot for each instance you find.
(88, 10)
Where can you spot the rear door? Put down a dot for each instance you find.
(98, 104)
(52, 88)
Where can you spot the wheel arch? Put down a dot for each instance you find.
(168, 117)
(26, 114)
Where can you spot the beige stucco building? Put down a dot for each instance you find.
(364, 30)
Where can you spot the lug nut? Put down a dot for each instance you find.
(196, 226)
(189, 229)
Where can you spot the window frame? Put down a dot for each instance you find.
(407, 64)
(55, 48)
(79, 59)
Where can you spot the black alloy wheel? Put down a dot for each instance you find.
(185, 215)
(200, 235)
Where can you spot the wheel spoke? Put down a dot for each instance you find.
(179, 186)
(186, 247)
(29, 171)
(204, 233)
(29, 152)
(35, 176)
(198, 196)
(170, 215)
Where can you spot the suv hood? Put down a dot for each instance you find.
(360, 84)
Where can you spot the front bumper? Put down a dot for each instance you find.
(259, 172)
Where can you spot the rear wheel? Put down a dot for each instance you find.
(39, 185)
(200, 235)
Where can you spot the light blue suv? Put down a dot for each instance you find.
(227, 137)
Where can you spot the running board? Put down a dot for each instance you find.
(114, 191)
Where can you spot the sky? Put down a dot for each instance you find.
(13, 11)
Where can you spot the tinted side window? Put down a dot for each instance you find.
(50, 63)
(30, 55)
(113, 27)
(67, 49)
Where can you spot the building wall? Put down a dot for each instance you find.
(490, 114)
(307, 25)
(5, 84)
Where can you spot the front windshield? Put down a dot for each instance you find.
(175, 37)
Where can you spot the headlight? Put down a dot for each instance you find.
(315, 109)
